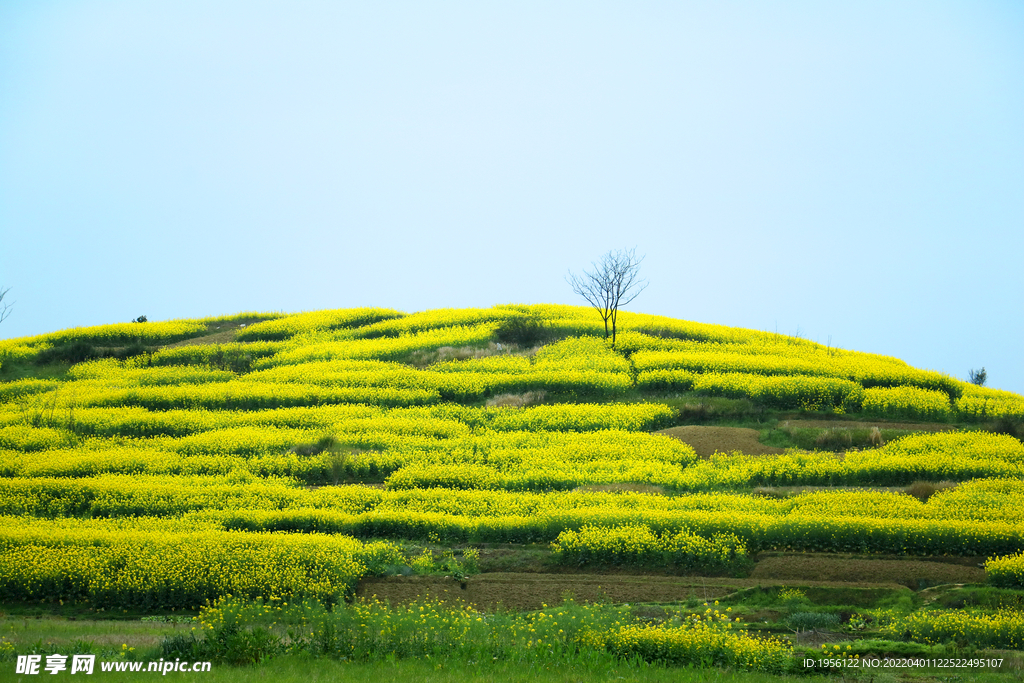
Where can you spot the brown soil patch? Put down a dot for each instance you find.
(914, 574)
(710, 440)
(526, 591)
(881, 424)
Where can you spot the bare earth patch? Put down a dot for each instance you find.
(710, 440)
(908, 572)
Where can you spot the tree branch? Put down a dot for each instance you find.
(5, 309)
(612, 283)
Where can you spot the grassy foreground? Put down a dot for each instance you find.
(305, 670)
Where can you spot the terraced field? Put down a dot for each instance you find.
(226, 467)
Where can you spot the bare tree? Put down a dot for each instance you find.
(612, 283)
(978, 377)
(5, 309)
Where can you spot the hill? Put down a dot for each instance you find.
(142, 465)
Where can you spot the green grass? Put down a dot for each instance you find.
(303, 670)
(14, 370)
(296, 669)
(985, 597)
(104, 638)
(766, 610)
(823, 598)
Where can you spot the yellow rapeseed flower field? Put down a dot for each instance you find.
(253, 466)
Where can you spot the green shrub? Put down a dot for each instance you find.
(75, 352)
(81, 351)
(1008, 425)
(810, 621)
(522, 331)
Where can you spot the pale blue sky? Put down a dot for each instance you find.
(846, 170)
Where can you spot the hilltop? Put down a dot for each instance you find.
(506, 354)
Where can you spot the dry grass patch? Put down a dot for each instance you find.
(621, 488)
(530, 398)
(422, 358)
(878, 424)
(776, 492)
(838, 439)
(836, 436)
(707, 440)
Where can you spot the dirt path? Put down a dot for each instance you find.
(709, 440)
(219, 333)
